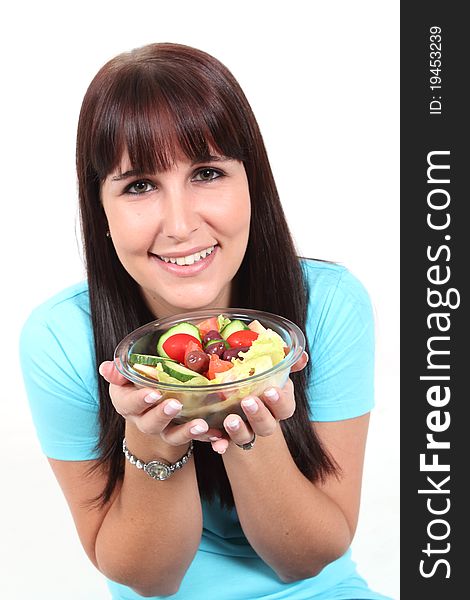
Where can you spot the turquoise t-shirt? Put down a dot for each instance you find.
(57, 356)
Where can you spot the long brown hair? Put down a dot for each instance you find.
(155, 102)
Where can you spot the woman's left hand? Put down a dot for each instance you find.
(263, 413)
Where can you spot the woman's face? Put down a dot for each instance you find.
(182, 233)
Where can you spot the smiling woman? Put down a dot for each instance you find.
(180, 211)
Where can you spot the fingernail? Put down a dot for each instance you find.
(250, 404)
(306, 356)
(214, 439)
(222, 451)
(272, 394)
(100, 369)
(152, 397)
(198, 429)
(235, 424)
(172, 408)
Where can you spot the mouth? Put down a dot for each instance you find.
(189, 265)
(190, 259)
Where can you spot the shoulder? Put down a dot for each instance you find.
(66, 310)
(331, 285)
(58, 364)
(340, 333)
(72, 300)
(59, 330)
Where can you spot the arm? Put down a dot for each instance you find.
(298, 527)
(148, 533)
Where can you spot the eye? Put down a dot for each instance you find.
(207, 174)
(139, 187)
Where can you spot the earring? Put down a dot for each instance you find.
(108, 234)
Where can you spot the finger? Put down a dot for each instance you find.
(155, 419)
(260, 419)
(131, 401)
(301, 363)
(238, 431)
(109, 371)
(280, 401)
(197, 429)
(220, 445)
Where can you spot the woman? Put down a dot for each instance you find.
(171, 166)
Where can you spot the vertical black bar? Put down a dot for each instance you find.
(435, 269)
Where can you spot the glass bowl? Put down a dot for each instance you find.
(215, 401)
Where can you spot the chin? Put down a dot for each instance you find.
(197, 299)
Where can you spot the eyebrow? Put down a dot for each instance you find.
(127, 174)
(138, 172)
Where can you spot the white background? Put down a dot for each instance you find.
(322, 79)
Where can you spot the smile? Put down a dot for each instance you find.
(190, 259)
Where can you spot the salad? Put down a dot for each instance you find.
(217, 350)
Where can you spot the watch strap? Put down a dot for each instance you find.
(158, 469)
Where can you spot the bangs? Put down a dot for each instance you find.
(156, 115)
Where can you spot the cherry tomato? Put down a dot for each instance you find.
(245, 337)
(217, 365)
(175, 346)
(208, 325)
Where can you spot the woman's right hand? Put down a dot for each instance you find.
(141, 407)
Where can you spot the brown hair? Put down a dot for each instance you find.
(155, 102)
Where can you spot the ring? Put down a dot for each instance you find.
(248, 445)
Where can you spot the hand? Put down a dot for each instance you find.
(263, 413)
(141, 406)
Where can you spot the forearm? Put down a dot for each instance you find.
(295, 527)
(153, 528)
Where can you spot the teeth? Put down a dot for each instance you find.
(191, 259)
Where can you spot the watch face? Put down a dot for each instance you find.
(157, 470)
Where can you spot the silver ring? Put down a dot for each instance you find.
(248, 445)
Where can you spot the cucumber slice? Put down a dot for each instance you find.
(147, 359)
(180, 328)
(232, 327)
(178, 371)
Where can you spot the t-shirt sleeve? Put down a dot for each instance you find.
(57, 361)
(340, 328)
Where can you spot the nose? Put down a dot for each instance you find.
(179, 217)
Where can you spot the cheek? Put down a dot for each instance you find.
(231, 215)
(131, 232)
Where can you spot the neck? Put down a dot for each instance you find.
(162, 309)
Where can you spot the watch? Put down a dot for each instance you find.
(157, 469)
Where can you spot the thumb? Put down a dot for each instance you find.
(301, 363)
(109, 371)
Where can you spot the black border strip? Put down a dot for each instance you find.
(434, 263)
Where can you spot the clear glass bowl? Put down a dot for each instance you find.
(210, 402)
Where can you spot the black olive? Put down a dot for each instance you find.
(211, 336)
(233, 353)
(197, 361)
(217, 347)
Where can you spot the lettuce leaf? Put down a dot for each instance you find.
(222, 321)
(268, 343)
